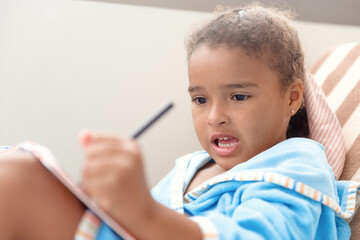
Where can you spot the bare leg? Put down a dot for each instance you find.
(33, 204)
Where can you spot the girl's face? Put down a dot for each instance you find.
(238, 105)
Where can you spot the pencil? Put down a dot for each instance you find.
(153, 118)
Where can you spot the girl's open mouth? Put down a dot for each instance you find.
(224, 146)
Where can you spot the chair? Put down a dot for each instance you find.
(338, 73)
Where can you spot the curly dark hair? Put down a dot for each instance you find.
(267, 34)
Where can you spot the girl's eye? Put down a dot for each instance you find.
(240, 97)
(200, 100)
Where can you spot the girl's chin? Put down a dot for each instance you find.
(226, 163)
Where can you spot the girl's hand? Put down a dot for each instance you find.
(113, 176)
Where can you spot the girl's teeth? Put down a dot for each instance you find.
(227, 145)
(225, 138)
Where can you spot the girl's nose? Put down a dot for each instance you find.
(217, 116)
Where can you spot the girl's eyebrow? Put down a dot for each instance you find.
(229, 86)
(194, 89)
(241, 85)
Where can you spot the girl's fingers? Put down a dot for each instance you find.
(97, 188)
(101, 150)
(104, 146)
(88, 137)
(85, 137)
(108, 149)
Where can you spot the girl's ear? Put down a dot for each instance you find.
(295, 95)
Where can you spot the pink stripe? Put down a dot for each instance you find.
(340, 155)
(340, 159)
(317, 114)
(312, 119)
(341, 164)
(336, 143)
(318, 131)
(338, 170)
(315, 120)
(315, 107)
(330, 141)
(336, 158)
(325, 135)
(335, 134)
(323, 124)
(326, 116)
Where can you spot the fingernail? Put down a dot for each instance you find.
(85, 137)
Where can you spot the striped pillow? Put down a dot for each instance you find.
(324, 127)
(338, 73)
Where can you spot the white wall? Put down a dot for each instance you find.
(66, 65)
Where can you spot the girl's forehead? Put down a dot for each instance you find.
(221, 58)
(228, 66)
(226, 53)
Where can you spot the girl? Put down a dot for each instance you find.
(258, 177)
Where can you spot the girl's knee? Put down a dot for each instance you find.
(20, 169)
(25, 182)
(21, 178)
(31, 196)
(28, 178)
(16, 169)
